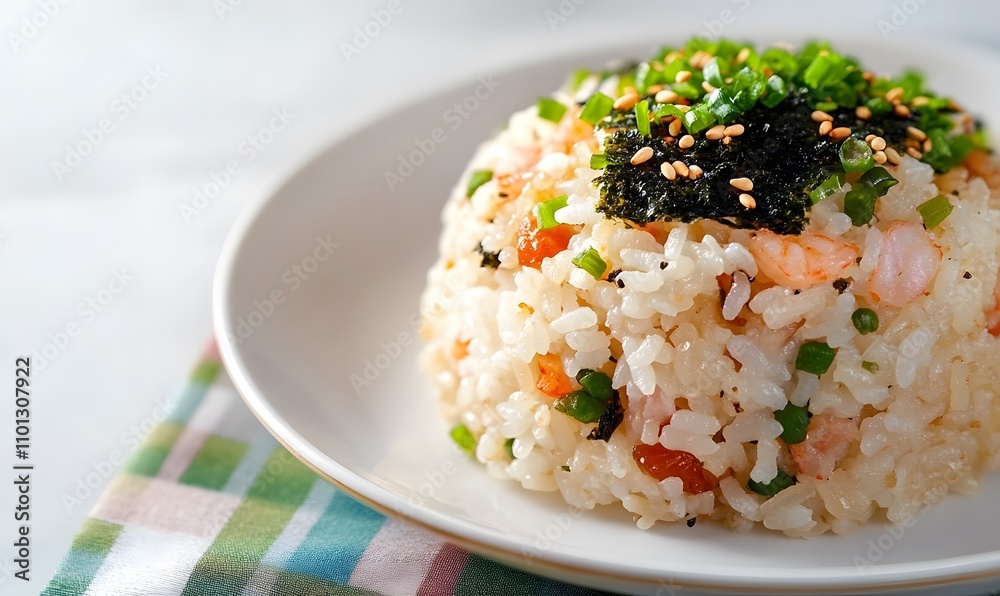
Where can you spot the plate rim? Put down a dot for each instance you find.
(489, 542)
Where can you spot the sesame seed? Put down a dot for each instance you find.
(642, 155)
(675, 128)
(869, 138)
(708, 87)
(683, 76)
(915, 133)
(743, 55)
(630, 90)
(654, 89)
(742, 183)
(821, 116)
(879, 157)
(920, 101)
(825, 127)
(878, 143)
(665, 96)
(686, 142)
(716, 132)
(681, 168)
(894, 95)
(727, 140)
(914, 153)
(695, 172)
(863, 112)
(626, 102)
(747, 201)
(928, 145)
(901, 110)
(840, 133)
(911, 143)
(734, 130)
(656, 65)
(668, 171)
(892, 155)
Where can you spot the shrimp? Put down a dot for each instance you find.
(906, 265)
(827, 442)
(802, 261)
(980, 163)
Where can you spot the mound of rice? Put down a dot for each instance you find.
(903, 415)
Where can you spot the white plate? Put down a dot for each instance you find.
(294, 328)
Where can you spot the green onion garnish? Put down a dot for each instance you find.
(464, 439)
(828, 187)
(642, 117)
(478, 178)
(712, 74)
(856, 155)
(879, 106)
(826, 106)
(815, 357)
(859, 204)
(871, 367)
(508, 447)
(596, 383)
(865, 320)
(591, 262)
(775, 91)
(879, 179)
(579, 76)
(598, 161)
(826, 70)
(935, 211)
(722, 107)
(582, 406)
(698, 119)
(775, 486)
(550, 109)
(794, 421)
(596, 109)
(547, 212)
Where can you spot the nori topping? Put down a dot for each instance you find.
(490, 259)
(609, 421)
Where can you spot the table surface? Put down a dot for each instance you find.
(121, 121)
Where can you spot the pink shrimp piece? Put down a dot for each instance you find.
(801, 261)
(827, 442)
(906, 265)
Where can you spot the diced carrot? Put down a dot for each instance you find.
(534, 245)
(552, 380)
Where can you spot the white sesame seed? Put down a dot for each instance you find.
(675, 128)
(869, 138)
(915, 133)
(686, 142)
(708, 87)
(742, 183)
(626, 102)
(821, 116)
(694, 172)
(715, 133)
(642, 155)
(734, 130)
(825, 127)
(928, 145)
(894, 95)
(747, 201)
(920, 101)
(654, 89)
(863, 112)
(665, 96)
(892, 155)
(840, 133)
(727, 140)
(901, 110)
(683, 76)
(914, 153)
(668, 171)
(878, 143)
(879, 157)
(682, 169)
(743, 55)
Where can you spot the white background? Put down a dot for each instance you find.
(61, 240)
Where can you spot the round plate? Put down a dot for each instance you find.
(316, 316)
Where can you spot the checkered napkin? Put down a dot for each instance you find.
(211, 504)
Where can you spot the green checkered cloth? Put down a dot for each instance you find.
(211, 504)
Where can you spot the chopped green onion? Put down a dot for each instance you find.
(935, 211)
(826, 106)
(596, 383)
(464, 439)
(879, 106)
(547, 212)
(596, 109)
(712, 73)
(508, 447)
(550, 109)
(478, 178)
(722, 107)
(865, 320)
(856, 155)
(946, 152)
(825, 70)
(879, 179)
(871, 367)
(579, 76)
(687, 90)
(794, 421)
(815, 357)
(642, 117)
(748, 86)
(780, 61)
(668, 109)
(859, 204)
(827, 188)
(598, 161)
(698, 119)
(582, 406)
(775, 486)
(775, 91)
(590, 261)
